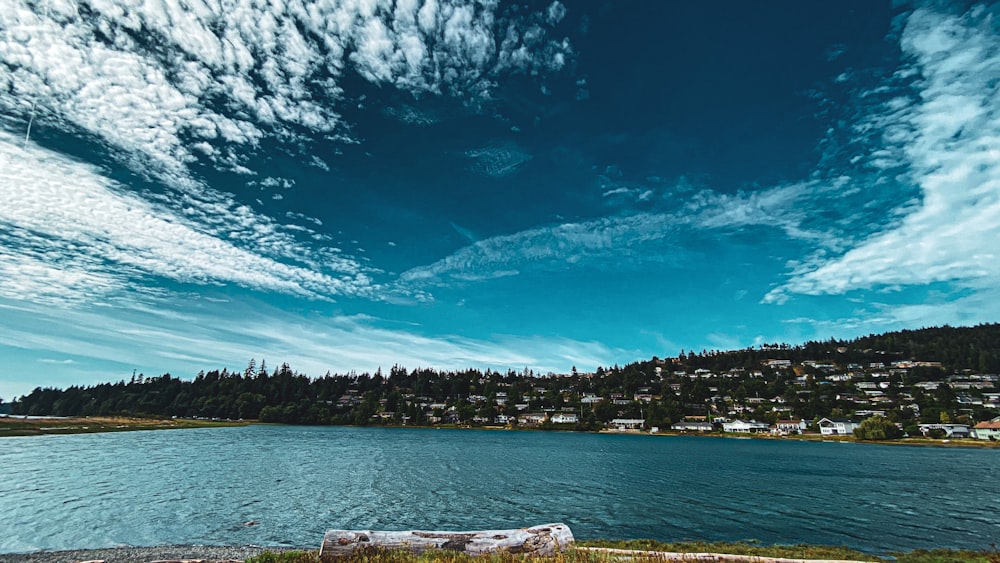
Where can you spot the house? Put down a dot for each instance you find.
(950, 430)
(744, 427)
(565, 418)
(622, 424)
(692, 426)
(837, 426)
(785, 427)
(532, 418)
(988, 430)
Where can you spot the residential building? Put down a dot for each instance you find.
(794, 426)
(837, 426)
(950, 430)
(532, 418)
(627, 423)
(692, 427)
(745, 427)
(988, 430)
(565, 418)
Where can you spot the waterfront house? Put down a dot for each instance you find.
(987, 430)
(692, 426)
(623, 424)
(565, 418)
(785, 427)
(837, 426)
(744, 427)
(950, 430)
(532, 418)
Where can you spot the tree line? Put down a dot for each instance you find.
(660, 391)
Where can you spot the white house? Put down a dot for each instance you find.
(744, 427)
(627, 423)
(989, 430)
(785, 427)
(837, 427)
(692, 426)
(532, 418)
(950, 430)
(565, 418)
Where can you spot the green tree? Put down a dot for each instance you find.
(877, 428)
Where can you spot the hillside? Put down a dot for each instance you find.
(932, 375)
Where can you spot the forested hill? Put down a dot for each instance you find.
(956, 348)
(926, 375)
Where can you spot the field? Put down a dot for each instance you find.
(19, 426)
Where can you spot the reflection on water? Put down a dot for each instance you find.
(201, 486)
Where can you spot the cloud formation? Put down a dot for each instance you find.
(498, 160)
(616, 241)
(143, 339)
(68, 234)
(164, 85)
(944, 128)
(167, 83)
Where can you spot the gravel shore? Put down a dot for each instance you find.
(172, 553)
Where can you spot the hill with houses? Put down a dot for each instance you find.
(941, 382)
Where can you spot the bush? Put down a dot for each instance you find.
(877, 428)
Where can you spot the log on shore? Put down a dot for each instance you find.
(547, 539)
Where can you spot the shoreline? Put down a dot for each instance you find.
(18, 426)
(131, 554)
(685, 550)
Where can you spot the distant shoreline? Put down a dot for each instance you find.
(16, 425)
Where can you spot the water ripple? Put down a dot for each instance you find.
(203, 486)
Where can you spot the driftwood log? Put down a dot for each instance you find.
(547, 539)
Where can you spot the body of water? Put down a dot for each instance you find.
(202, 487)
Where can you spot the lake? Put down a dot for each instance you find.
(202, 486)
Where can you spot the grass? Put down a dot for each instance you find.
(12, 426)
(581, 556)
(737, 548)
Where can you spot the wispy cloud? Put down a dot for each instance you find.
(166, 83)
(944, 127)
(67, 233)
(498, 160)
(155, 340)
(54, 361)
(613, 242)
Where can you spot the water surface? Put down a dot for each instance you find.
(201, 486)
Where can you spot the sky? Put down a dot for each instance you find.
(348, 185)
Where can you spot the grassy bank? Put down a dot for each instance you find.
(583, 556)
(16, 426)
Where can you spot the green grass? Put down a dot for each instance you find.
(738, 548)
(10, 426)
(949, 556)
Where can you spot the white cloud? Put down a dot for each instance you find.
(163, 84)
(157, 80)
(67, 233)
(948, 136)
(613, 241)
(499, 160)
(185, 339)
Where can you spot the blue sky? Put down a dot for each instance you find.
(349, 185)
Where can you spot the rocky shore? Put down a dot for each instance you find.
(161, 554)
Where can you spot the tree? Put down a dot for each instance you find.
(877, 428)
